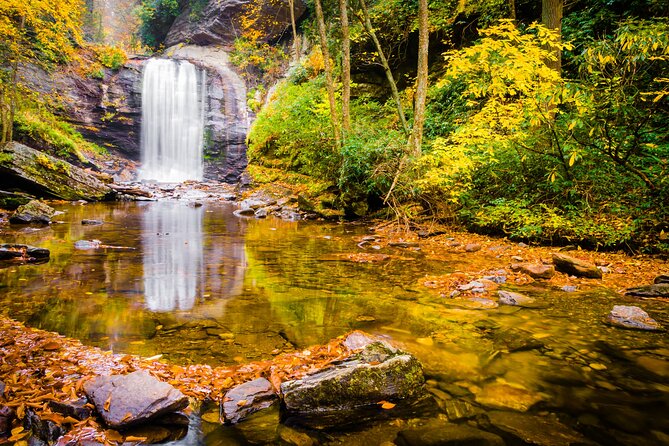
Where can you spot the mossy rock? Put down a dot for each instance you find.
(332, 396)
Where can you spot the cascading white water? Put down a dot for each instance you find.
(173, 103)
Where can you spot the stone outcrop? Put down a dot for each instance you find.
(576, 267)
(106, 111)
(29, 253)
(46, 176)
(379, 372)
(515, 299)
(649, 291)
(33, 212)
(127, 400)
(220, 22)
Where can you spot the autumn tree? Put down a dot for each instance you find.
(345, 67)
(34, 31)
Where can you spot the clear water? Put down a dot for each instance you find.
(266, 285)
(173, 103)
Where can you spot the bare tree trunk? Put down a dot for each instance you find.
(416, 138)
(551, 18)
(346, 68)
(296, 39)
(328, 70)
(512, 10)
(386, 68)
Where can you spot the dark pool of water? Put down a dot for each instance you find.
(200, 285)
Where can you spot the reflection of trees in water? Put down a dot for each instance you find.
(173, 256)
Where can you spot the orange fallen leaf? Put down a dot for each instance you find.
(386, 405)
(133, 438)
(107, 403)
(51, 346)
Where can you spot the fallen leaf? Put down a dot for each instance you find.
(51, 346)
(386, 405)
(107, 403)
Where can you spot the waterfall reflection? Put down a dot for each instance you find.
(173, 256)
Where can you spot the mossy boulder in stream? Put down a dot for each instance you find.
(45, 176)
(355, 388)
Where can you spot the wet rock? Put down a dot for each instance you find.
(87, 244)
(294, 437)
(46, 430)
(575, 267)
(515, 299)
(472, 247)
(246, 212)
(504, 396)
(86, 222)
(632, 317)
(245, 399)
(501, 279)
(337, 394)
(443, 433)
(359, 340)
(662, 278)
(33, 212)
(132, 190)
(151, 434)
(126, 400)
(78, 409)
(535, 430)
(536, 271)
(457, 410)
(516, 340)
(30, 253)
(404, 244)
(649, 291)
(261, 213)
(7, 415)
(569, 288)
(47, 176)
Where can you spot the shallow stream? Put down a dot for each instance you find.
(199, 285)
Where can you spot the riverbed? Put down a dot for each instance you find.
(197, 284)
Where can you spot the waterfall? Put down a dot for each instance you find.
(173, 103)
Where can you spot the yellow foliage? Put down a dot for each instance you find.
(315, 62)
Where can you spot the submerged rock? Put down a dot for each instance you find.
(530, 429)
(443, 433)
(47, 176)
(662, 278)
(33, 212)
(658, 289)
(632, 317)
(126, 400)
(515, 299)
(335, 395)
(87, 222)
(245, 399)
(576, 267)
(504, 396)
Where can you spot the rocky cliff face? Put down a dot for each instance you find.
(220, 22)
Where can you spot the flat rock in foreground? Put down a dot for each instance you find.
(378, 373)
(632, 317)
(127, 400)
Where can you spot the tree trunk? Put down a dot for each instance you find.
(386, 68)
(421, 78)
(551, 18)
(13, 92)
(346, 68)
(296, 39)
(328, 70)
(512, 10)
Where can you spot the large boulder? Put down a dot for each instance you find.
(378, 373)
(576, 267)
(221, 21)
(127, 400)
(46, 176)
(33, 212)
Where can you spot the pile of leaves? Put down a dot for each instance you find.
(37, 366)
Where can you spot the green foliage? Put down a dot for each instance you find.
(111, 57)
(35, 124)
(156, 17)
